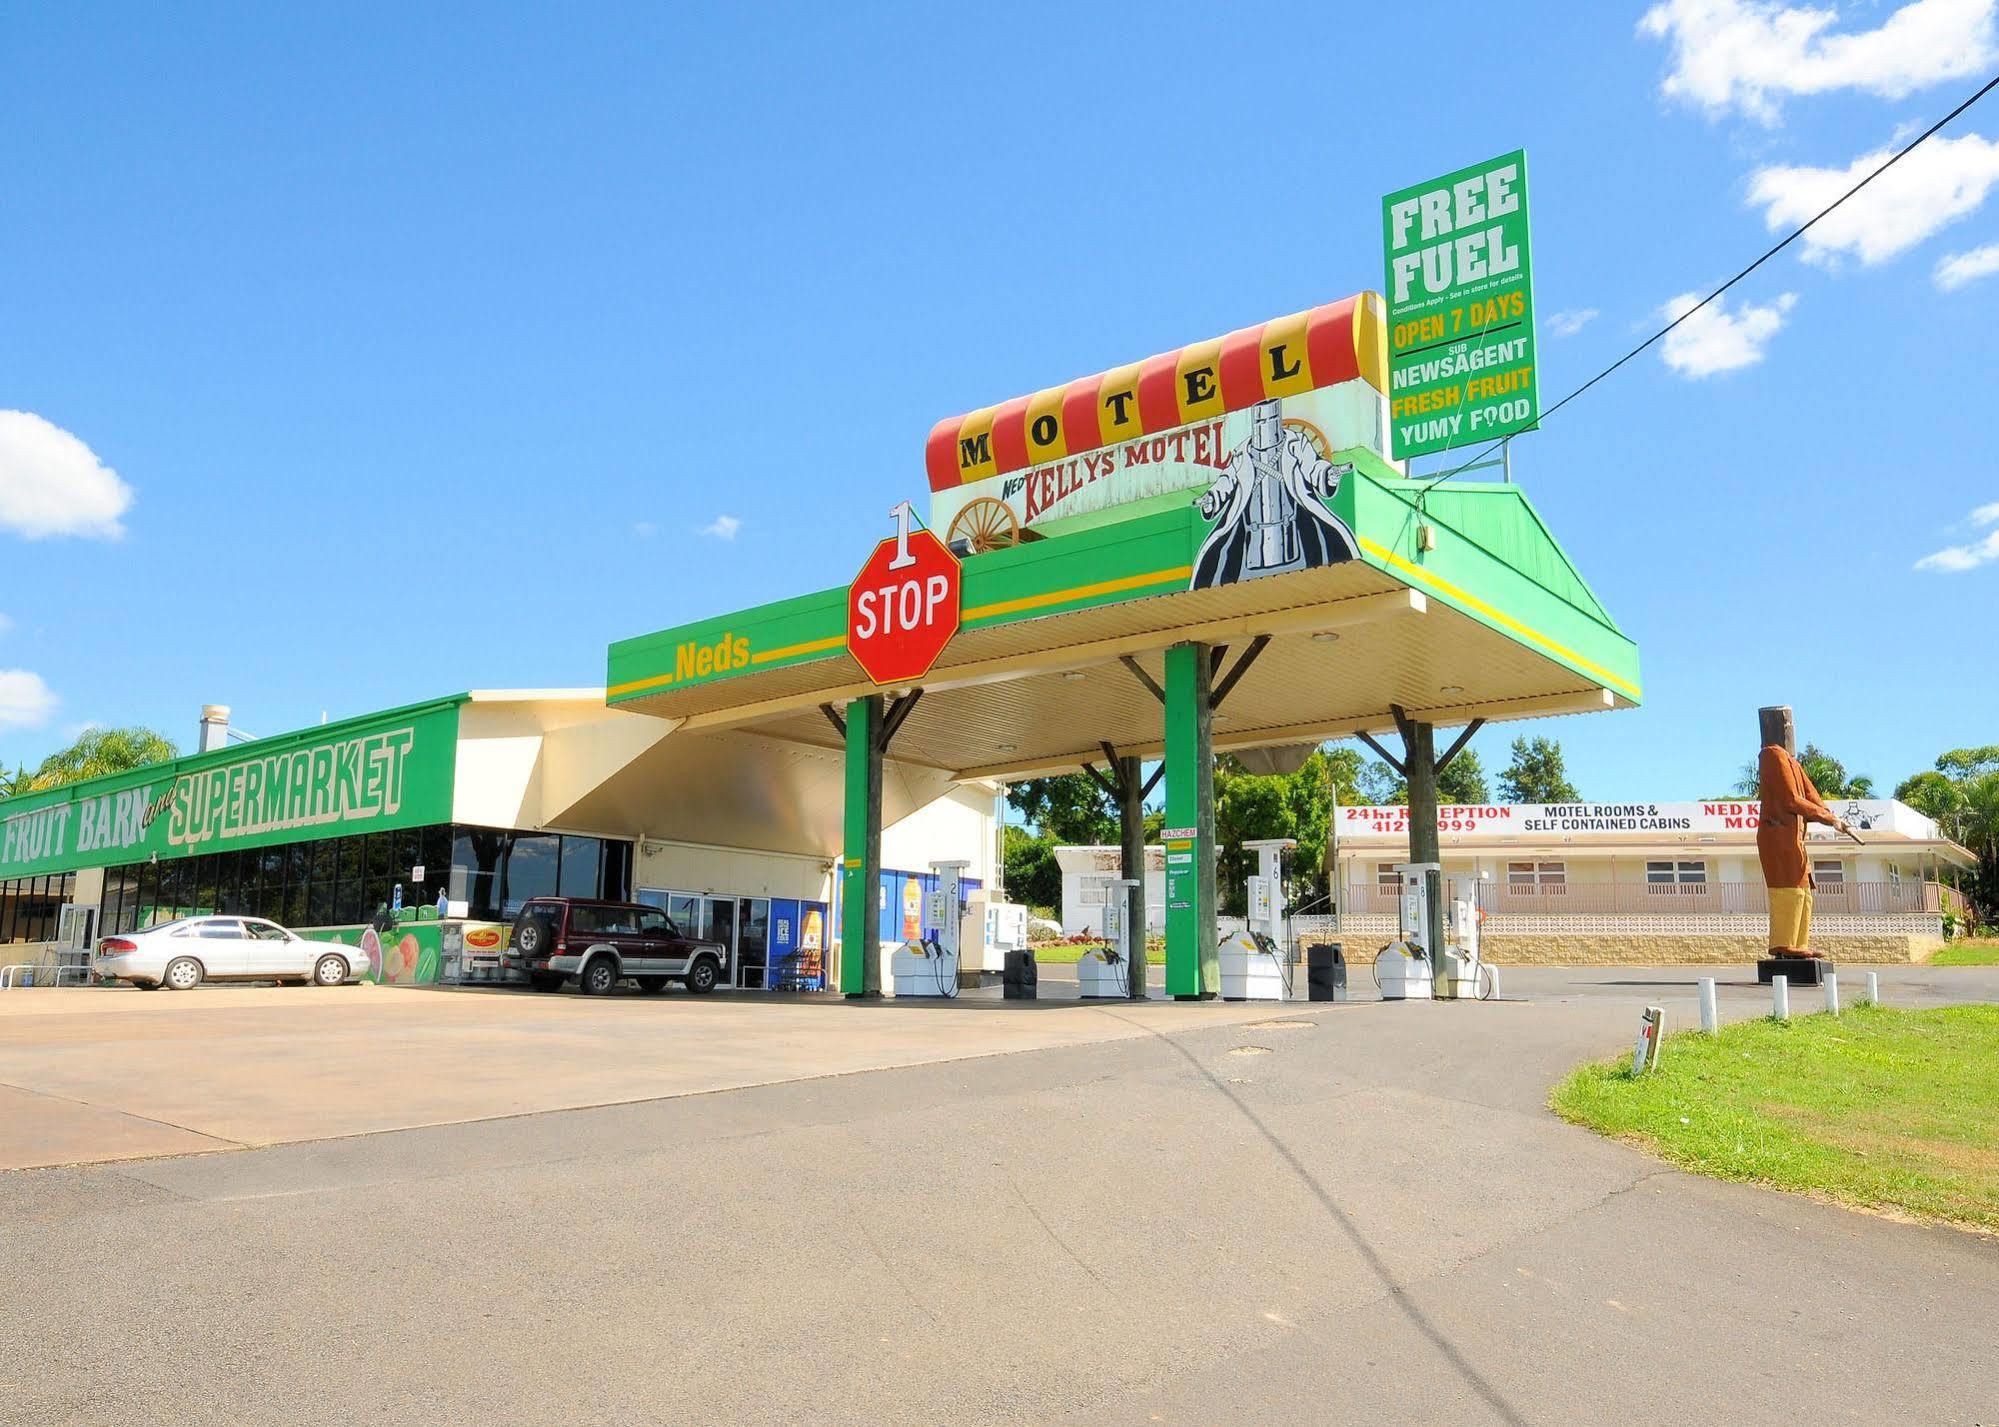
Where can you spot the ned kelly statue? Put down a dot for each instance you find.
(1790, 802)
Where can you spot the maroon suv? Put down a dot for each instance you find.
(601, 943)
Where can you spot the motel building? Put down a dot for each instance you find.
(1656, 882)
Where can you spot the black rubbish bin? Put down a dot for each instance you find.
(1325, 972)
(1021, 979)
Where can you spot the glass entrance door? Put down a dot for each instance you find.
(753, 943)
(719, 924)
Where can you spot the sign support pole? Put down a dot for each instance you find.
(1192, 966)
(860, 865)
(1131, 826)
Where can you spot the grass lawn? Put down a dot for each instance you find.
(1881, 1109)
(1065, 953)
(1969, 951)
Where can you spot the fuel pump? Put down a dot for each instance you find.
(1403, 969)
(1255, 962)
(928, 966)
(1433, 906)
(1107, 971)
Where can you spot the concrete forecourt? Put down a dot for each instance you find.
(1360, 1212)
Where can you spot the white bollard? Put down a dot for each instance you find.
(1780, 998)
(1832, 992)
(1710, 1019)
(1873, 989)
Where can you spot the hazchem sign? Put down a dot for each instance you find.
(1461, 358)
(902, 609)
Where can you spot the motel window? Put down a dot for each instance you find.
(1530, 876)
(1672, 873)
(1387, 879)
(1829, 873)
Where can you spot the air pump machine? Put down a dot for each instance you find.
(1405, 970)
(928, 966)
(1106, 971)
(1254, 965)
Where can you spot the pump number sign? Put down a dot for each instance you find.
(1461, 361)
(902, 609)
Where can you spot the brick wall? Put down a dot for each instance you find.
(1583, 949)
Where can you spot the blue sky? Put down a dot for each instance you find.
(431, 351)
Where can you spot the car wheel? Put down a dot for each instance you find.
(651, 985)
(598, 977)
(183, 974)
(330, 970)
(701, 976)
(532, 936)
(545, 980)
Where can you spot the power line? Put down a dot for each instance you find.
(1790, 238)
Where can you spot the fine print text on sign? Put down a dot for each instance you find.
(1461, 357)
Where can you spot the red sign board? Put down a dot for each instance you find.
(902, 609)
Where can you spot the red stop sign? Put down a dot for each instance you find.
(902, 609)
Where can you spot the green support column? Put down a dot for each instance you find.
(1191, 965)
(861, 857)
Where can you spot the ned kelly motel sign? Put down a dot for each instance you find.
(902, 609)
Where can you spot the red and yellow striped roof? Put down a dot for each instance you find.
(1282, 357)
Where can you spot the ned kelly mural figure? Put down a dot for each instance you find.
(1790, 802)
(1268, 507)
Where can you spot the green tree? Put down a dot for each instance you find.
(1537, 774)
(1962, 794)
(1070, 808)
(13, 784)
(1033, 876)
(1253, 806)
(1827, 773)
(98, 751)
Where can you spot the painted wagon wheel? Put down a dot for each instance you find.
(984, 524)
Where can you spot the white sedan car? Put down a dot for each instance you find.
(180, 955)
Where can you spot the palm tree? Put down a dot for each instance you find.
(98, 751)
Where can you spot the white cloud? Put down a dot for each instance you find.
(645, 529)
(6, 623)
(1567, 324)
(1957, 269)
(1748, 55)
(1938, 183)
(1983, 551)
(25, 701)
(723, 527)
(1717, 340)
(53, 484)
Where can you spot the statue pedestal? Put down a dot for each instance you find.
(1797, 970)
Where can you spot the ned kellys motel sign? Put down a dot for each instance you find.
(1461, 358)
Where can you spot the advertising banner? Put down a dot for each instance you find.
(1461, 351)
(1165, 426)
(391, 771)
(1527, 821)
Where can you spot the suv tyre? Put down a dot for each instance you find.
(702, 975)
(532, 936)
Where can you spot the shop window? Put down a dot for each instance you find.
(532, 869)
(580, 874)
(1829, 872)
(476, 856)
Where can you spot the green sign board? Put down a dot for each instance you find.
(1461, 362)
(391, 770)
